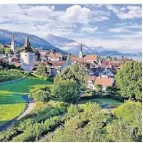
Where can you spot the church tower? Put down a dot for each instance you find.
(12, 43)
(27, 56)
(81, 53)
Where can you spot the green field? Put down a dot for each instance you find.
(11, 106)
(24, 85)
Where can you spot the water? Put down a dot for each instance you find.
(136, 58)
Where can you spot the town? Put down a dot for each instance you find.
(100, 72)
(71, 73)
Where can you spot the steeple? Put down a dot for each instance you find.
(12, 40)
(68, 56)
(12, 43)
(27, 45)
(81, 53)
(81, 48)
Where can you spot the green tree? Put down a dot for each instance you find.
(98, 87)
(120, 131)
(1, 49)
(40, 93)
(66, 90)
(75, 72)
(129, 80)
(41, 70)
(8, 51)
(110, 89)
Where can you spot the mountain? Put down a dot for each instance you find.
(66, 44)
(37, 42)
(74, 47)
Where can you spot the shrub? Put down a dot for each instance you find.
(66, 90)
(40, 93)
(98, 87)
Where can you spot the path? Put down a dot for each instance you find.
(30, 107)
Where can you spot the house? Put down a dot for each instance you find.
(90, 82)
(91, 58)
(54, 56)
(104, 81)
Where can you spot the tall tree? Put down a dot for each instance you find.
(75, 72)
(41, 70)
(129, 80)
(66, 90)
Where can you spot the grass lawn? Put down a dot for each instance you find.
(23, 86)
(11, 106)
(103, 101)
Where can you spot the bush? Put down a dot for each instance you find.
(40, 93)
(11, 74)
(66, 90)
(98, 87)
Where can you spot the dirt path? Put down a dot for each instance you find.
(30, 107)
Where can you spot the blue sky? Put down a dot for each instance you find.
(116, 27)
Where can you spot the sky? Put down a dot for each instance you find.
(116, 27)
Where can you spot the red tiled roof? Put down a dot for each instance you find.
(91, 57)
(104, 81)
(56, 63)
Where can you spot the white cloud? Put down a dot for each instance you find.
(89, 29)
(118, 30)
(129, 12)
(122, 45)
(77, 14)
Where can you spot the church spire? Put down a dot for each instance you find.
(13, 43)
(68, 56)
(81, 48)
(81, 53)
(27, 45)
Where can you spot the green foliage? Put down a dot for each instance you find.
(75, 72)
(98, 87)
(37, 124)
(41, 70)
(83, 126)
(40, 93)
(131, 112)
(129, 80)
(8, 51)
(120, 131)
(11, 74)
(66, 90)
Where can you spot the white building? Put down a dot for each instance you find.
(27, 57)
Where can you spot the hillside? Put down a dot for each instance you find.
(37, 42)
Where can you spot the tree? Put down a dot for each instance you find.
(40, 93)
(98, 87)
(120, 131)
(109, 89)
(129, 80)
(41, 70)
(8, 51)
(76, 72)
(66, 90)
(131, 113)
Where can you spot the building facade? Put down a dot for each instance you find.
(27, 57)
